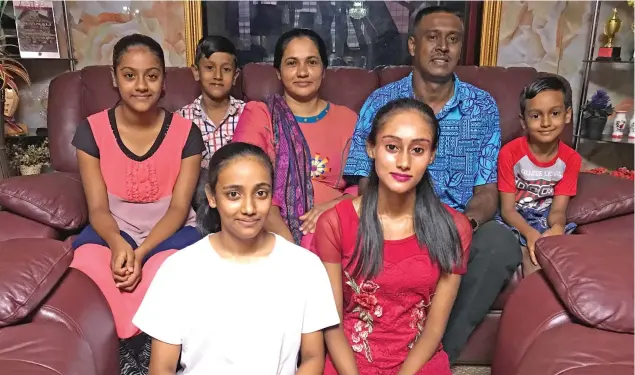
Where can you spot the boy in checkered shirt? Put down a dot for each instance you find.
(215, 112)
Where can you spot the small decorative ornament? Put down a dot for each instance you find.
(619, 124)
(631, 128)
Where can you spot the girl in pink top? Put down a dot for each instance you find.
(139, 165)
(306, 137)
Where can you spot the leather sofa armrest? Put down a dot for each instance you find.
(600, 197)
(29, 269)
(45, 349)
(531, 310)
(55, 199)
(575, 349)
(77, 303)
(593, 276)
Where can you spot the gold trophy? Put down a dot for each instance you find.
(611, 27)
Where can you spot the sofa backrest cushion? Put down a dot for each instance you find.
(600, 197)
(593, 276)
(73, 96)
(29, 269)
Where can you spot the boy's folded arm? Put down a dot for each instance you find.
(511, 216)
(558, 212)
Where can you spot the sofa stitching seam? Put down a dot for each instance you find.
(68, 317)
(51, 213)
(535, 335)
(26, 300)
(587, 211)
(37, 364)
(569, 298)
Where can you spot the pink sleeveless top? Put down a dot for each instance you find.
(140, 191)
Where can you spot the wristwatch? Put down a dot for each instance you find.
(474, 224)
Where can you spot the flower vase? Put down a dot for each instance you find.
(594, 127)
(619, 124)
(28, 170)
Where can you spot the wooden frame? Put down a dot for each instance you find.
(193, 10)
(490, 28)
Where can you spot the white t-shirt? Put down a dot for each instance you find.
(232, 318)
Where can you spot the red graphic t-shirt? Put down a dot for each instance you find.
(535, 183)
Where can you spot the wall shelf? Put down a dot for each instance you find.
(588, 62)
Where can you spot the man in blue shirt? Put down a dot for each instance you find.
(464, 171)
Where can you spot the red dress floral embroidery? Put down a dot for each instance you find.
(418, 318)
(383, 317)
(368, 309)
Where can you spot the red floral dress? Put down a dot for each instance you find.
(384, 317)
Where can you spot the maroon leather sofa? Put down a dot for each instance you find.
(575, 316)
(53, 320)
(53, 205)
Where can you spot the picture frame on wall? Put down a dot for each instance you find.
(364, 34)
(36, 29)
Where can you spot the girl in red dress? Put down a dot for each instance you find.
(394, 256)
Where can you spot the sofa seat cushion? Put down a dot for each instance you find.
(29, 269)
(593, 277)
(55, 199)
(600, 197)
(573, 349)
(44, 349)
(16, 226)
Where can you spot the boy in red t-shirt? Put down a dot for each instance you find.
(537, 173)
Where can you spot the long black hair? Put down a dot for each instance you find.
(207, 218)
(434, 227)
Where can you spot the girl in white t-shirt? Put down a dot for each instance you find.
(241, 300)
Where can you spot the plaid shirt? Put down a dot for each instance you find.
(214, 136)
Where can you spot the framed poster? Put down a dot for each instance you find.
(35, 26)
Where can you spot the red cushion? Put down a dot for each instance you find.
(593, 277)
(55, 199)
(29, 269)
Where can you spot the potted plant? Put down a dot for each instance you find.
(29, 159)
(595, 114)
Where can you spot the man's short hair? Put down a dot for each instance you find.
(426, 10)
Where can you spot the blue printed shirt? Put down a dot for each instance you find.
(469, 141)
